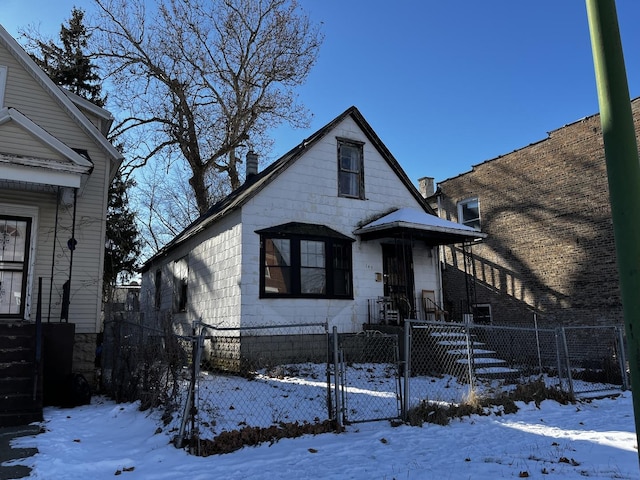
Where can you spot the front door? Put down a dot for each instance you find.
(397, 264)
(15, 233)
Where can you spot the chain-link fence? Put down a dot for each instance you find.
(596, 358)
(254, 379)
(141, 360)
(368, 376)
(223, 388)
(448, 362)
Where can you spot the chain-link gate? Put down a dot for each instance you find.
(367, 377)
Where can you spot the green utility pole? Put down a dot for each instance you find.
(623, 170)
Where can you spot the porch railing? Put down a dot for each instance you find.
(393, 310)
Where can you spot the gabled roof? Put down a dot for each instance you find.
(61, 98)
(255, 184)
(67, 172)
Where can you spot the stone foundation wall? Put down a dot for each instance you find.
(84, 355)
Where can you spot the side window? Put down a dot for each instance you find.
(469, 213)
(350, 169)
(158, 287)
(180, 284)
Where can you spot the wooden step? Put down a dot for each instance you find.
(17, 364)
(14, 419)
(15, 384)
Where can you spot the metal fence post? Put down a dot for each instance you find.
(468, 319)
(566, 355)
(622, 358)
(329, 360)
(535, 323)
(407, 368)
(336, 366)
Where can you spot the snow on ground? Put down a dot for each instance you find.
(593, 440)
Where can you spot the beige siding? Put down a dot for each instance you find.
(16, 140)
(28, 96)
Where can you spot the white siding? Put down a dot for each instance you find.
(307, 192)
(224, 260)
(214, 259)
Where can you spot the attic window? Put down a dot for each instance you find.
(350, 169)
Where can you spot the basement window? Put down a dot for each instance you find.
(482, 314)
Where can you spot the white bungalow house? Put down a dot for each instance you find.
(332, 231)
(55, 169)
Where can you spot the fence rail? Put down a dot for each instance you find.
(215, 380)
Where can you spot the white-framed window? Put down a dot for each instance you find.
(469, 212)
(482, 313)
(350, 169)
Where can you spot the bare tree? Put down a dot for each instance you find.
(202, 81)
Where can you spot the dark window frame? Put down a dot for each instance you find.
(19, 266)
(158, 287)
(334, 265)
(359, 146)
(180, 284)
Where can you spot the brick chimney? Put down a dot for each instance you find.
(427, 186)
(252, 164)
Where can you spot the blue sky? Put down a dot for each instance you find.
(445, 84)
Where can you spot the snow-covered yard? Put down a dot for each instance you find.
(594, 439)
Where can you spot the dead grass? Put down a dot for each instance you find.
(441, 414)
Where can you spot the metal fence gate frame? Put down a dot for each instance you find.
(366, 353)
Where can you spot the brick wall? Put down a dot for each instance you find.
(550, 247)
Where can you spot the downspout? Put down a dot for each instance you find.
(53, 255)
(71, 244)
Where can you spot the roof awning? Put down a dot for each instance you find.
(17, 168)
(406, 222)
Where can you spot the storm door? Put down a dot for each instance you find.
(15, 233)
(398, 277)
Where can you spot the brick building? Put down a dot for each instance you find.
(550, 247)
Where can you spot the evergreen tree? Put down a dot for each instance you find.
(122, 246)
(68, 64)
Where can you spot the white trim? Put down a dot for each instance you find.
(3, 83)
(30, 212)
(42, 176)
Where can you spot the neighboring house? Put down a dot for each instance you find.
(332, 231)
(549, 248)
(55, 168)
